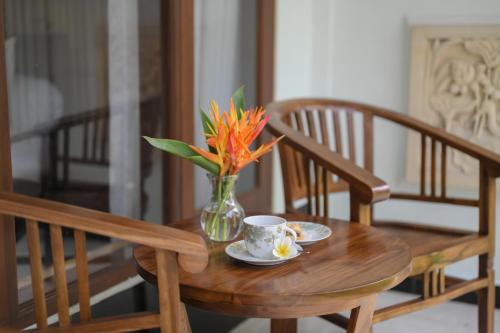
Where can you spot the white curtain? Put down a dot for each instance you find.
(225, 59)
(124, 126)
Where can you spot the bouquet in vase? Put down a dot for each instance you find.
(229, 137)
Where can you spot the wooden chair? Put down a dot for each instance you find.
(308, 160)
(173, 247)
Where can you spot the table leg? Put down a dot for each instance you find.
(361, 317)
(284, 325)
(184, 321)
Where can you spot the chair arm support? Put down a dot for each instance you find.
(191, 248)
(369, 188)
(487, 157)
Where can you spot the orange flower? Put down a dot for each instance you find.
(230, 136)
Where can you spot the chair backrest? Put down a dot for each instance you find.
(332, 124)
(173, 247)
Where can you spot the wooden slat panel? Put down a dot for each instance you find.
(423, 157)
(443, 170)
(33, 235)
(168, 291)
(433, 168)
(82, 275)
(351, 136)
(56, 241)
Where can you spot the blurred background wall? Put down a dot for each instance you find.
(360, 50)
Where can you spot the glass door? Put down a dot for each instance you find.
(84, 84)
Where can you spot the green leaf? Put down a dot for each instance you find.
(207, 124)
(181, 149)
(239, 101)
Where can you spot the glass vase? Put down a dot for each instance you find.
(222, 218)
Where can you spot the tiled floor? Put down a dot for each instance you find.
(449, 317)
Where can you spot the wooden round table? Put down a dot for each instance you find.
(344, 272)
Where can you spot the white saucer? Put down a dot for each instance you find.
(238, 251)
(313, 232)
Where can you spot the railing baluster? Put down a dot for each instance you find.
(56, 241)
(82, 275)
(33, 235)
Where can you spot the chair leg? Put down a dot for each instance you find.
(486, 305)
(361, 317)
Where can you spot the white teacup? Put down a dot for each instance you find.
(260, 232)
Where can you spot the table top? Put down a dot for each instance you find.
(354, 262)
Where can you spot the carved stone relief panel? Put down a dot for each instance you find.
(455, 85)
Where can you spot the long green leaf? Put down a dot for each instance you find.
(181, 149)
(239, 101)
(207, 124)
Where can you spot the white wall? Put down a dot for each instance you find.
(359, 50)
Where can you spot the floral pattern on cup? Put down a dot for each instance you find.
(261, 231)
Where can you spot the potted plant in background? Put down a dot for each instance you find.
(229, 136)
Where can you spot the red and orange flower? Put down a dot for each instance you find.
(230, 138)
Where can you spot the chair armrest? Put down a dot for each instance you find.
(191, 248)
(490, 159)
(368, 188)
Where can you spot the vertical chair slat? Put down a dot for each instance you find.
(85, 139)
(443, 170)
(338, 134)
(311, 125)
(350, 135)
(442, 280)
(368, 141)
(325, 192)
(306, 163)
(422, 164)
(324, 128)
(434, 277)
(104, 136)
(425, 285)
(56, 241)
(66, 156)
(317, 183)
(433, 167)
(168, 291)
(94, 137)
(82, 275)
(298, 156)
(33, 235)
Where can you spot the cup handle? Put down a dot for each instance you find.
(294, 234)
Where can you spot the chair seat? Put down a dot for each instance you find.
(432, 245)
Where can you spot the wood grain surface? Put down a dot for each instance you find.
(332, 275)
